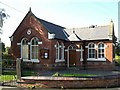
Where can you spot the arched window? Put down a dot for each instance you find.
(62, 51)
(34, 48)
(24, 48)
(72, 47)
(91, 50)
(57, 51)
(101, 50)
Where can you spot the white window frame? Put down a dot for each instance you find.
(34, 60)
(62, 51)
(98, 51)
(91, 48)
(58, 53)
(97, 59)
(22, 50)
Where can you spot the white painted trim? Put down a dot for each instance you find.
(78, 50)
(51, 36)
(29, 43)
(58, 46)
(105, 46)
(66, 50)
(96, 46)
(81, 59)
(60, 60)
(102, 48)
(33, 60)
(86, 46)
(93, 59)
(26, 60)
(18, 44)
(39, 42)
(21, 47)
(11, 38)
(32, 46)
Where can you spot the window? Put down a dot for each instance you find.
(101, 50)
(91, 50)
(62, 51)
(24, 48)
(34, 48)
(59, 52)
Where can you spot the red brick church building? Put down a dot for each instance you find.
(48, 45)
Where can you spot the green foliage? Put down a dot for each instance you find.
(118, 48)
(56, 74)
(6, 78)
(117, 59)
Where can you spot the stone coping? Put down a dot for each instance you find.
(70, 78)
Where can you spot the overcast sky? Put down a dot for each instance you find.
(67, 13)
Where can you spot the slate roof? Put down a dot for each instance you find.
(73, 37)
(54, 29)
(87, 33)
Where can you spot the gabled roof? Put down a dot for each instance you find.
(87, 33)
(50, 27)
(73, 37)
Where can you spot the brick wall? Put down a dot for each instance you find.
(66, 82)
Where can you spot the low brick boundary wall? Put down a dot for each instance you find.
(72, 82)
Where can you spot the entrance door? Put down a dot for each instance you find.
(72, 58)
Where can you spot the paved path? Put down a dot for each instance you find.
(14, 88)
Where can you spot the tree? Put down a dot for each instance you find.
(3, 16)
(118, 48)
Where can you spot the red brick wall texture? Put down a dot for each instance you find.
(39, 31)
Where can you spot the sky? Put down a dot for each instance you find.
(67, 13)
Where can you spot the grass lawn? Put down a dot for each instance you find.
(29, 73)
(8, 76)
(73, 75)
(78, 75)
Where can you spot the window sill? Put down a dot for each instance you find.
(59, 60)
(93, 59)
(81, 59)
(32, 60)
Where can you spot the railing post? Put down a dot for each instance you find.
(18, 68)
